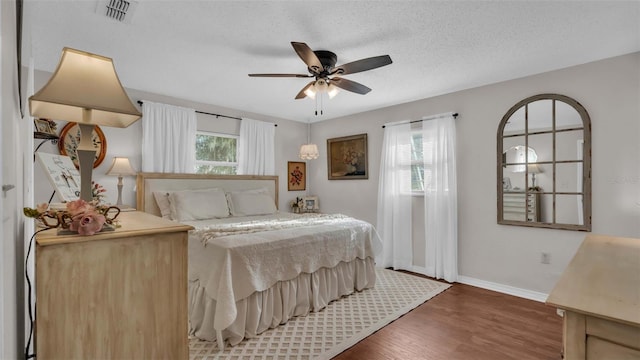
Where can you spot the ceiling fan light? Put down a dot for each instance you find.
(332, 91)
(321, 86)
(310, 92)
(309, 152)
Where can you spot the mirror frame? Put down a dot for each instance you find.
(586, 161)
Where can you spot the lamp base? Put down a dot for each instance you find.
(85, 159)
(119, 202)
(86, 156)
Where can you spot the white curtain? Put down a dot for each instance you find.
(256, 148)
(168, 138)
(394, 198)
(434, 165)
(440, 198)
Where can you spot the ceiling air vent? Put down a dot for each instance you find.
(120, 10)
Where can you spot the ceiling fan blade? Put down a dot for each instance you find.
(363, 65)
(350, 85)
(308, 56)
(301, 94)
(281, 75)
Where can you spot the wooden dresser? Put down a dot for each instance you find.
(113, 295)
(600, 295)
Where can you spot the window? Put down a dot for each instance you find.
(216, 153)
(421, 163)
(417, 164)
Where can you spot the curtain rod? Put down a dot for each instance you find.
(212, 114)
(455, 115)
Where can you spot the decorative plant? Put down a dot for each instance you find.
(86, 218)
(97, 192)
(297, 203)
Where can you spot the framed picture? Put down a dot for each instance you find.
(296, 175)
(310, 204)
(42, 126)
(62, 174)
(70, 139)
(347, 157)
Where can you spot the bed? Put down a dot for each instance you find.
(251, 267)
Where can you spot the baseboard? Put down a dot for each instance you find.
(505, 289)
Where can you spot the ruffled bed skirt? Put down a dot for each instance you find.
(275, 306)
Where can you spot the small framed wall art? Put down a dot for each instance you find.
(42, 126)
(296, 176)
(347, 157)
(70, 139)
(310, 204)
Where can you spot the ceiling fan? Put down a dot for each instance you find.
(321, 66)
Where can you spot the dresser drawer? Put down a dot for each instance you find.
(622, 334)
(599, 349)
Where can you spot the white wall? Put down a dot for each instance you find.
(508, 255)
(502, 254)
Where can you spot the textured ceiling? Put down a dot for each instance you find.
(203, 50)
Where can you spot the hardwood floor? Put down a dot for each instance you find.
(467, 322)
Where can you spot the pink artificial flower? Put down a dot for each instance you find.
(87, 223)
(78, 207)
(42, 207)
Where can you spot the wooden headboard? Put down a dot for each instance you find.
(147, 183)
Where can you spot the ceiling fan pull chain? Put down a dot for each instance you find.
(321, 103)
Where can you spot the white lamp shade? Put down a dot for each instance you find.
(308, 152)
(121, 167)
(84, 81)
(533, 169)
(332, 91)
(310, 92)
(321, 86)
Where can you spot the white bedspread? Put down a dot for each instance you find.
(236, 263)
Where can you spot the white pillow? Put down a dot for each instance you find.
(202, 204)
(162, 199)
(251, 202)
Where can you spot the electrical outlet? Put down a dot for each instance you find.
(545, 258)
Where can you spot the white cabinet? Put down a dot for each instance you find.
(519, 206)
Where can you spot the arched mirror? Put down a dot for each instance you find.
(544, 164)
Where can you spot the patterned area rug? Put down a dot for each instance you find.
(340, 325)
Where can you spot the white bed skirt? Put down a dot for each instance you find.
(275, 306)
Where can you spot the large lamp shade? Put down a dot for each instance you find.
(84, 81)
(85, 89)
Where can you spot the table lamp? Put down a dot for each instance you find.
(85, 89)
(533, 169)
(120, 167)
